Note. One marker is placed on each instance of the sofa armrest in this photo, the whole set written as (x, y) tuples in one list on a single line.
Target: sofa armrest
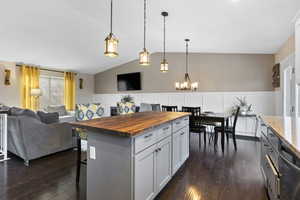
[(66, 118)]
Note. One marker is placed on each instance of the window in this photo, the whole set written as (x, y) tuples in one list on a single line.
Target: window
[(53, 91)]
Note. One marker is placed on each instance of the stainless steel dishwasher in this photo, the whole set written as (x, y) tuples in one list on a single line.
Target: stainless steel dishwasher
[(289, 167)]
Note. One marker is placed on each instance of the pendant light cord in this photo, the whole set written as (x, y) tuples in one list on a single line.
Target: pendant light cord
[(186, 57), (111, 15), (164, 38), (144, 24)]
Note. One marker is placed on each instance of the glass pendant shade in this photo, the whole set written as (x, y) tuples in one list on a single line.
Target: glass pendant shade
[(144, 58), (111, 46), (164, 66)]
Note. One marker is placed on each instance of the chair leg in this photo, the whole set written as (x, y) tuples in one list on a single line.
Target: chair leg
[(204, 137), (216, 139), (199, 140), (234, 141), (78, 160), (227, 138)]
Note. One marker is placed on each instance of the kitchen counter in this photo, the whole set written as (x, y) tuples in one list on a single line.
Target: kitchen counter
[(284, 129), (132, 124)]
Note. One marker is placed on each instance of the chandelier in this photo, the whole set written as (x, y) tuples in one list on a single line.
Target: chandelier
[(186, 84)]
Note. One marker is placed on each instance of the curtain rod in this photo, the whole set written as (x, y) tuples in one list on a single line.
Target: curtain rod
[(49, 70)]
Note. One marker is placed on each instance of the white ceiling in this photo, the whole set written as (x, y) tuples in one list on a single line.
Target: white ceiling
[(69, 34)]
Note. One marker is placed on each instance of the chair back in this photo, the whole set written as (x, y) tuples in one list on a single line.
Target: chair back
[(236, 115), (169, 108), (196, 111)]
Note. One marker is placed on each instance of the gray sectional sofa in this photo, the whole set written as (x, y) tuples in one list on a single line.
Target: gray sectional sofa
[(31, 137)]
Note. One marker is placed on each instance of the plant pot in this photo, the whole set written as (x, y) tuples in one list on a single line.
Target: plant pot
[(244, 110)]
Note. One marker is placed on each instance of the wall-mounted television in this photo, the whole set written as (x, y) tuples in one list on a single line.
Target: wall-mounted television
[(131, 81)]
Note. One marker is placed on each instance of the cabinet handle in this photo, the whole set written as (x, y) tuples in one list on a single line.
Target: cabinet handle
[(182, 133), (147, 136), (165, 128), (177, 122), (186, 119), (157, 150)]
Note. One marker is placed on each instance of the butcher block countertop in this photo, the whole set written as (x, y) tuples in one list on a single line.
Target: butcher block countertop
[(283, 128), (131, 124)]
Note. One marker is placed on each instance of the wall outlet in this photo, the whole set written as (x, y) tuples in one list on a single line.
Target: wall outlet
[(92, 153)]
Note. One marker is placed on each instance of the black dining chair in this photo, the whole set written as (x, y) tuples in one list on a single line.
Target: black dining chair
[(230, 130), (195, 122), (169, 108)]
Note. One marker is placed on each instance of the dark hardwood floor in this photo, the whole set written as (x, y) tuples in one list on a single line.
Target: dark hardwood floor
[(207, 175)]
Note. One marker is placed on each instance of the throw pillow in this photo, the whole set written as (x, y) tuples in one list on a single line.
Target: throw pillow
[(48, 118), (89, 111), (126, 108)]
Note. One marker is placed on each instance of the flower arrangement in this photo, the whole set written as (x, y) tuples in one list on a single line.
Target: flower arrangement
[(243, 104)]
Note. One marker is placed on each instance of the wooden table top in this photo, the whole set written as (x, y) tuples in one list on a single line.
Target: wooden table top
[(131, 124)]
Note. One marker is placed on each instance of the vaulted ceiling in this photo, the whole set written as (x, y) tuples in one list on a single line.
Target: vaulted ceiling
[(69, 34)]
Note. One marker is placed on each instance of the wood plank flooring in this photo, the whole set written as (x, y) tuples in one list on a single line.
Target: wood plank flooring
[(207, 175)]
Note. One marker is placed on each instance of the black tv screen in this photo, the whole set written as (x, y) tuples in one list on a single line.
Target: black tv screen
[(130, 81)]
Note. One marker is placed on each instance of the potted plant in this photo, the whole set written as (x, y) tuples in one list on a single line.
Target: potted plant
[(244, 106), (127, 99)]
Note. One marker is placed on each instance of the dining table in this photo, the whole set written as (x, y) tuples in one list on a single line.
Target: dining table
[(213, 118)]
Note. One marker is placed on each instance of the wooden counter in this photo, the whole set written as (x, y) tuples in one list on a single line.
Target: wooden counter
[(132, 124), (284, 130)]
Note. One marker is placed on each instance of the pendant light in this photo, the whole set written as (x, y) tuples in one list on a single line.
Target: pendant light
[(164, 66), (187, 84), (111, 42), (144, 55)]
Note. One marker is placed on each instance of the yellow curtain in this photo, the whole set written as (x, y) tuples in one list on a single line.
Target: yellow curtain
[(30, 79), (70, 90)]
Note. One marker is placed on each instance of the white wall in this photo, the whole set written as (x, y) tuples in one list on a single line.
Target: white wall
[(10, 94), (263, 102)]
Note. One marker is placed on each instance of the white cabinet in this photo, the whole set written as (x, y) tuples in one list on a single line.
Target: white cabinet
[(145, 170), (153, 169), (163, 163), (185, 144), (176, 143), (158, 154), (180, 148)]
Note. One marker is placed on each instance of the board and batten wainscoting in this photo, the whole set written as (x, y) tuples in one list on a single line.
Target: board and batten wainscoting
[(263, 102)]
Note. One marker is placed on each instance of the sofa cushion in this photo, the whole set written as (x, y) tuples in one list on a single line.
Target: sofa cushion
[(14, 111), (89, 111), (145, 107), (126, 108), (48, 118), (60, 109)]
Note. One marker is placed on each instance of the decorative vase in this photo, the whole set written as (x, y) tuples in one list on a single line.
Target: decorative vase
[(243, 110)]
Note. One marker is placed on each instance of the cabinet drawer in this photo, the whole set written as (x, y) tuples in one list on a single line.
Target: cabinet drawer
[(164, 132), (144, 141), (180, 123)]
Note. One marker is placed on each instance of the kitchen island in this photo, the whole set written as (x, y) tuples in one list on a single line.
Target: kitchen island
[(132, 157)]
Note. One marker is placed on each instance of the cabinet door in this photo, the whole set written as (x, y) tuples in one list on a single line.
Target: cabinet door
[(176, 146), (163, 163), (145, 172), (185, 151)]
